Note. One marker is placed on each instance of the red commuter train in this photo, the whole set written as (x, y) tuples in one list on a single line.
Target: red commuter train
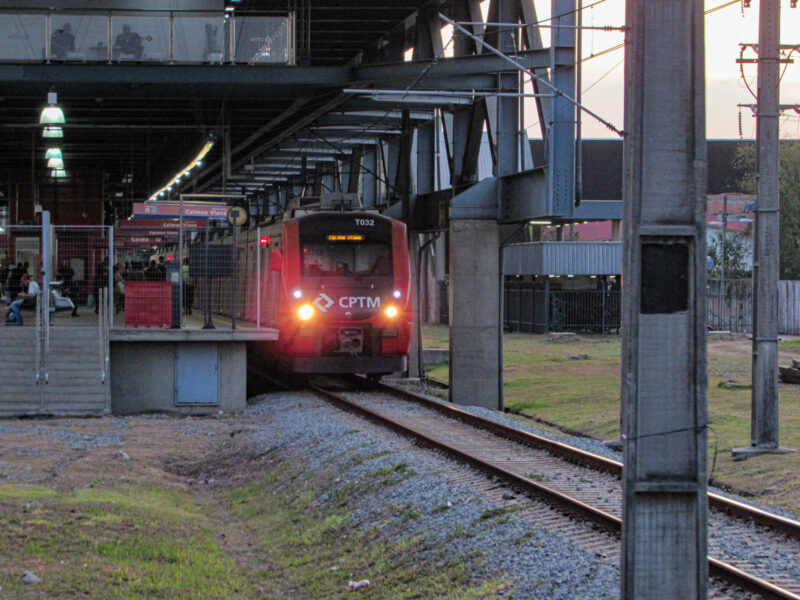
[(338, 290)]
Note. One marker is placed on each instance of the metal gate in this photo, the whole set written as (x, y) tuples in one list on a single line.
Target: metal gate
[(57, 358), (731, 308)]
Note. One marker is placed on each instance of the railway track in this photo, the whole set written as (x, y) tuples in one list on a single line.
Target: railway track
[(748, 548)]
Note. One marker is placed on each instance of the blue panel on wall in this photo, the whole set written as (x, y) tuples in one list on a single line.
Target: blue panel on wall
[(196, 374)]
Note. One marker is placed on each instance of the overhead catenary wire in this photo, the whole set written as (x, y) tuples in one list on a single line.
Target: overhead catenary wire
[(379, 121), (531, 74)]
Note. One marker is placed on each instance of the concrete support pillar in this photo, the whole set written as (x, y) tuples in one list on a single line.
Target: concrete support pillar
[(615, 230), (474, 313), (664, 411), (414, 363)]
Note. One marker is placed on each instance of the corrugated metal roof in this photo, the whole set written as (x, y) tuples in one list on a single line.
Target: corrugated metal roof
[(563, 258)]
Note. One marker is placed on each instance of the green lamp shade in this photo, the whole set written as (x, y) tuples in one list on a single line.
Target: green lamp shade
[(55, 163), (53, 153), (52, 132), (58, 173), (52, 115)]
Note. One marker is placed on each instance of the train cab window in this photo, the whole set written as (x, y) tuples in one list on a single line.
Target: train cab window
[(345, 259)]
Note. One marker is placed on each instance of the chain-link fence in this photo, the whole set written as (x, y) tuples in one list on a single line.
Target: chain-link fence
[(78, 268), (532, 308), (197, 277)]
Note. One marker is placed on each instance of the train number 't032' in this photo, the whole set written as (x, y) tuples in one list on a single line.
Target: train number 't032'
[(365, 222)]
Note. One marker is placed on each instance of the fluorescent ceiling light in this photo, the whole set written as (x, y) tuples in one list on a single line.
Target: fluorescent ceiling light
[(197, 160), (52, 115), (52, 131)]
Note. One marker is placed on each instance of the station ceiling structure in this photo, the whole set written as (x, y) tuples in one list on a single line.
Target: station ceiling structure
[(282, 128)]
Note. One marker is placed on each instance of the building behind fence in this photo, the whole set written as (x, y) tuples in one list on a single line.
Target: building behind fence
[(731, 309), (534, 308)]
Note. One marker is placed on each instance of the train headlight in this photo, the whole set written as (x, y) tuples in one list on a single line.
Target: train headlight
[(305, 312), (397, 294), (391, 312), (297, 294)]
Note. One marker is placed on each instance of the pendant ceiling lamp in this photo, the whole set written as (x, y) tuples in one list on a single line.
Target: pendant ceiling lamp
[(53, 152), (52, 113)]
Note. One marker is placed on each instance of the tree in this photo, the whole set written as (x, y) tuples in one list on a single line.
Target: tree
[(789, 173), (736, 251)]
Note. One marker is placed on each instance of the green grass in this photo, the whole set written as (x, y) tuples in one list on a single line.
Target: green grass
[(103, 543), (311, 552), (584, 395)]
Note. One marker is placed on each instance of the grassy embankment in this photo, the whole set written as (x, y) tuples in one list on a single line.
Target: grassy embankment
[(583, 395), (200, 517)]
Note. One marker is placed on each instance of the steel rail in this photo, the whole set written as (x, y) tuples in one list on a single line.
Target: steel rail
[(577, 456), (532, 488), (528, 486)]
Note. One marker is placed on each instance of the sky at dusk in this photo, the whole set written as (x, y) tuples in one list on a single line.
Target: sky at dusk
[(725, 88)]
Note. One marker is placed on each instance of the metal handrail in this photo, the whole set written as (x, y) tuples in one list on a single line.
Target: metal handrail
[(227, 18), (39, 352), (102, 332)]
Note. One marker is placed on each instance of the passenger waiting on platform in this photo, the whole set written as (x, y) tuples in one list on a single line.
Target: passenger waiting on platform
[(128, 42), (12, 283), (188, 288), (62, 41), (212, 51), (69, 287), (100, 281), (153, 273), (4, 277), (119, 289), (28, 299)]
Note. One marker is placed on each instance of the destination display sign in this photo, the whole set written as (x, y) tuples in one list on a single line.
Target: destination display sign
[(196, 210), (161, 224), (340, 237)]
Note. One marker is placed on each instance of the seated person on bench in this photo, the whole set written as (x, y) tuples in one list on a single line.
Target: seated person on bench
[(25, 298)]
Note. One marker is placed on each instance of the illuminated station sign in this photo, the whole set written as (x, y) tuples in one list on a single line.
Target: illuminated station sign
[(191, 210)]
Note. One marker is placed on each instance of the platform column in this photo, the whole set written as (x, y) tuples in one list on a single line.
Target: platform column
[(664, 275), (474, 308)]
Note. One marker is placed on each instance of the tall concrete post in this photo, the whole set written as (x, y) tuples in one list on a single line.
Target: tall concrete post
[(664, 350), (474, 308), (764, 393), (475, 336)]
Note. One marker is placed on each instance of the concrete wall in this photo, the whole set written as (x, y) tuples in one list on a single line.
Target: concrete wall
[(143, 378)]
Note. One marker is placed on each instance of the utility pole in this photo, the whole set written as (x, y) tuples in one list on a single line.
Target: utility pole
[(764, 393), (664, 413)]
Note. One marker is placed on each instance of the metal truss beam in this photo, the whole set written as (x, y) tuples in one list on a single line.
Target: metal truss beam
[(446, 68), (142, 80)]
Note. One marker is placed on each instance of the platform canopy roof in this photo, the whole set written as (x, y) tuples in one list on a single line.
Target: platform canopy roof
[(132, 124)]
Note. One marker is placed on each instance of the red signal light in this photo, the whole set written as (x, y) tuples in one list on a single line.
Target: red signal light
[(264, 240), (169, 259)]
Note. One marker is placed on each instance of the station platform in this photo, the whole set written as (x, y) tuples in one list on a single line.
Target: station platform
[(83, 370), (190, 370), (193, 330)]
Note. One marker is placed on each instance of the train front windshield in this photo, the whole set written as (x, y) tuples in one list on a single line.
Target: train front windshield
[(348, 247), (346, 258)]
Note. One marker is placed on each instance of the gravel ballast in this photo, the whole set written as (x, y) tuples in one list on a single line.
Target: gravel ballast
[(429, 499)]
